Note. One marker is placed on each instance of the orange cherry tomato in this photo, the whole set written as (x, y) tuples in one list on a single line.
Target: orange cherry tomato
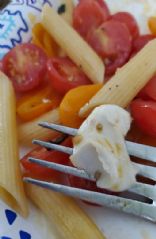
[(42, 38), (35, 104), (73, 101), (152, 25)]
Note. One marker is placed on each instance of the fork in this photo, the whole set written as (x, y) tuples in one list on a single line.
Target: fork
[(135, 206)]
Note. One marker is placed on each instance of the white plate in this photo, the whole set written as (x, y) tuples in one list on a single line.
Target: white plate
[(113, 224)]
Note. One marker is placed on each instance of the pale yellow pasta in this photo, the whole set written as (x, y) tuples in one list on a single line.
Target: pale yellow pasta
[(68, 14), (11, 186), (73, 45), (31, 130), (127, 81), (70, 220)]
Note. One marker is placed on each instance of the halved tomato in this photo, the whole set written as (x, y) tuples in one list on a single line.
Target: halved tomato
[(25, 65), (144, 115), (140, 42), (89, 14), (129, 21), (112, 41), (149, 91), (65, 75), (37, 103), (40, 172)]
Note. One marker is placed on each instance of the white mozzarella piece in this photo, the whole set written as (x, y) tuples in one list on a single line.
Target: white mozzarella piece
[(99, 148)]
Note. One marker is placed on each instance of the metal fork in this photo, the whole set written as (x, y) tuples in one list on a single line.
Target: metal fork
[(145, 209)]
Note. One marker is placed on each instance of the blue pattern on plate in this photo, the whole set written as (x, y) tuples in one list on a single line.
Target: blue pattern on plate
[(8, 26), (36, 4), (24, 235), (11, 216), (6, 237)]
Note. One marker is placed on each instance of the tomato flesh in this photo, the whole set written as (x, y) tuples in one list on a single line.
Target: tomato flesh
[(144, 115), (25, 65), (149, 91), (40, 172), (112, 41), (129, 21), (89, 14), (65, 75), (140, 42)]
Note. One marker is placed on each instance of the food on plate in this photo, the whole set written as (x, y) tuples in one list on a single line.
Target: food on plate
[(73, 101), (25, 65), (64, 74), (36, 103), (73, 45), (99, 148), (112, 41), (66, 10), (69, 50), (144, 115), (127, 81), (69, 218), (97, 11), (31, 130), (11, 185), (42, 39), (152, 25)]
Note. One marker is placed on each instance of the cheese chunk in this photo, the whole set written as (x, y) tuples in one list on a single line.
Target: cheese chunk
[(99, 148)]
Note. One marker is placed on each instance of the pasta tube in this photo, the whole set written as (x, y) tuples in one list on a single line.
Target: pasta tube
[(73, 45), (11, 186), (127, 81), (68, 217), (68, 14), (31, 130)]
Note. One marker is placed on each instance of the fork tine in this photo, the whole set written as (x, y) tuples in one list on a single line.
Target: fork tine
[(60, 128), (144, 190), (134, 149), (126, 205), (139, 188), (57, 147), (146, 171), (141, 151), (63, 168)]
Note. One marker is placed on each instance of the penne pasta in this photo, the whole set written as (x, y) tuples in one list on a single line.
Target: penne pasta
[(11, 186), (73, 45), (68, 14), (31, 130), (127, 81), (69, 219)]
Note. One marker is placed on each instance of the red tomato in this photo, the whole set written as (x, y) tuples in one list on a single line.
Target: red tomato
[(112, 41), (1, 66), (89, 14), (37, 171), (25, 65), (130, 22), (149, 90), (144, 115), (140, 42), (65, 75)]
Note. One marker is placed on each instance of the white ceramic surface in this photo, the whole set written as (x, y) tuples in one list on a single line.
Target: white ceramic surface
[(114, 225)]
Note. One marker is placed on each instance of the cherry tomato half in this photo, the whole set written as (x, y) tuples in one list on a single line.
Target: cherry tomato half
[(149, 91), (89, 14), (37, 171), (37, 103), (130, 22), (65, 75), (1, 66), (144, 115), (112, 42), (25, 65), (140, 42)]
